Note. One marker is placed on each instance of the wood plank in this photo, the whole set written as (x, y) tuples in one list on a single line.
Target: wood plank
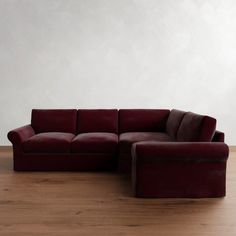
[(86, 203), (232, 148), (5, 148)]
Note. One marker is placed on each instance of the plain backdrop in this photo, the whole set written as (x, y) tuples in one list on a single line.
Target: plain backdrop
[(118, 54)]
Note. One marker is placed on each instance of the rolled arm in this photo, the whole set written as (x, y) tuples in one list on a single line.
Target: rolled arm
[(19, 135), (151, 152)]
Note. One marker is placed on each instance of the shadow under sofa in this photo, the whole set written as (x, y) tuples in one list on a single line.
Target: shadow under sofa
[(106, 139)]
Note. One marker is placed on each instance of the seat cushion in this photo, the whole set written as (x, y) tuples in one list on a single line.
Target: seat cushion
[(97, 120), (95, 143), (142, 120), (127, 139), (54, 120), (196, 128), (52, 142)]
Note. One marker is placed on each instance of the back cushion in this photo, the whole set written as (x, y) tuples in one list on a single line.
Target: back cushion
[(196, 128), (101, 120), (173, 122), (59, 120), (142, 120)]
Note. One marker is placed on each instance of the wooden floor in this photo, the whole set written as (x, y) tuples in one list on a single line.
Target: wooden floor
[(57, 203)]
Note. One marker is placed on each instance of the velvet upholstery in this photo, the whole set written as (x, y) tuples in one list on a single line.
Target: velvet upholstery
[(100, 120), (18, 136), (125, 143), (179, 169), (183, 155), (127, 139), (173, 122), (196, 128), (52, 142), (142, 120), (184, 151), (95, 143), (55, 120), (125, 163), (207, 129), (218, 137), (64, 162)]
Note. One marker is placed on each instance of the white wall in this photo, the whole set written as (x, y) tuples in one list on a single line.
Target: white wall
[(118, 54)]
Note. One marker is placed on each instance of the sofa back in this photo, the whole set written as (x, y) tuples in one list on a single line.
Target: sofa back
[(97, 120), (181, 126), (55, 120), (142, 120), (196, 128), (174, 120)]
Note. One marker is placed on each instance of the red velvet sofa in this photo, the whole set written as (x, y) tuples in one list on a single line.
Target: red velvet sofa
[(161, 148)]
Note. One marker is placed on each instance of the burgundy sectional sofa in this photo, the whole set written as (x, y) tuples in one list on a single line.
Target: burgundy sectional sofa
[(169, 153)]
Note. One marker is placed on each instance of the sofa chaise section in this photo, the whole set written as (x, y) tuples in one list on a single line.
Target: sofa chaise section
[(192, 165), (179, 169)]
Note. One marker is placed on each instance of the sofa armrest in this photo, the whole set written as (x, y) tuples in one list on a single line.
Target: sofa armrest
[(179, 169), (151, 152), (218, 136), (19, 135)]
